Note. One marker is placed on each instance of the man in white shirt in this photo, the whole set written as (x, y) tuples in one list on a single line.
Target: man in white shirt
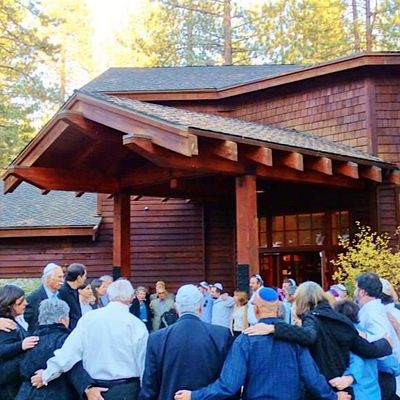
[(255, 284), (374, 320), (110, 341), (222, 306)]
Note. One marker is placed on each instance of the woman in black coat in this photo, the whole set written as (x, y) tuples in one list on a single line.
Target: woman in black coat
[(140, 307), (12, 344), (329, 335), (52, 332)]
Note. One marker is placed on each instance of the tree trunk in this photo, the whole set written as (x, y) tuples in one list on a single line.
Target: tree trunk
[(189, 47), (63, 72), (368, 25), (227, 33), (356, 33)]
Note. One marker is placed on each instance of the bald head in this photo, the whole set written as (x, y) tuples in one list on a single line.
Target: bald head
[(266, 303)]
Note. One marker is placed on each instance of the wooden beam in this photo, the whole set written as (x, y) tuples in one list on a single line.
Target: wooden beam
[(65, 179), (173, 139), (319, 164), (246, 223), (394, 177), (121, 234), (53, 130), (89, 128), (311, 177), (258, 155), (348, 169), (219, 148), (10, 183), (371, 172), (291, 160), (168, 159), (48, 231)]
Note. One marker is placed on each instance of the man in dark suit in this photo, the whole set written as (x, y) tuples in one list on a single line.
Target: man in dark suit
[(188, 354), (76, 276), (52, 279)]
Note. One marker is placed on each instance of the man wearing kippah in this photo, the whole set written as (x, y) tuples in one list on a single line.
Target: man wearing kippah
[(253, 363), (206, 313)]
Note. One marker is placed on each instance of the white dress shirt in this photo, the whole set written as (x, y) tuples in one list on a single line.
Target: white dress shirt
[(251, 315), (110, 341), (373, 318)]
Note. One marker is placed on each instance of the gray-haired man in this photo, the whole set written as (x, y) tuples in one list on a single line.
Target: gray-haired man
[(187, 354), (52, 280), (111, 344)]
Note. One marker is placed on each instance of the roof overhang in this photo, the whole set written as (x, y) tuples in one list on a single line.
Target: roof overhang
[(49, 231), (354, 62), (92, 145)]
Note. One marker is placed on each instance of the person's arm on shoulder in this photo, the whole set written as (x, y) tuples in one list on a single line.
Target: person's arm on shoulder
[(151, 380), (312, 378), (64, 358), (7, 325), (11, 345), (305, 335), (365, 349)]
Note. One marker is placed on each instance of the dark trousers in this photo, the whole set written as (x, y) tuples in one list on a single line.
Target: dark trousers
[(387, 383), (123, 391)]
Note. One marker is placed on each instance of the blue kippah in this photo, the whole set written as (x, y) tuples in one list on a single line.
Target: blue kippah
[(268, 294)]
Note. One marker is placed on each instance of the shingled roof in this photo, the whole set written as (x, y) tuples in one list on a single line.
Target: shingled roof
[(28, 208), (183, 78), (235, 127)]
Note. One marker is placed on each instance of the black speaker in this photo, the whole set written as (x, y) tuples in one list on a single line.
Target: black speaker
[(116, 273), (242, 277)]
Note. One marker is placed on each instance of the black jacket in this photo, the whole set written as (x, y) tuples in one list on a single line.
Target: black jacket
[(187, 355), (71, 297), (135, 310), (11, 354), (331, 336), (69, 386), (31, 314)]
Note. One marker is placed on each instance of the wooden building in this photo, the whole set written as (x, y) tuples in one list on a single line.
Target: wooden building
[(202, 169)]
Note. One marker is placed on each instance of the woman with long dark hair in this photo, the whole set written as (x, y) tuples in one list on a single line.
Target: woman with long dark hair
[(329, 335), (99, 288), (12, 344)]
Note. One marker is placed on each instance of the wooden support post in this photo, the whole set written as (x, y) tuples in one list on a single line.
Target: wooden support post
[(121, 232), (246, 223)]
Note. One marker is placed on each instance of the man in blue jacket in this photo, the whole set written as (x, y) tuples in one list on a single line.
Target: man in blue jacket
[(266, 368), (188, 354)]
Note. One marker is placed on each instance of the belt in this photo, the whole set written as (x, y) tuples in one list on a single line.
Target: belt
[(114, 382)]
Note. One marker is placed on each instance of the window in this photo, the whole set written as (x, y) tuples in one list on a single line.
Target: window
[(262, 231), (298, 230), (340, 226)]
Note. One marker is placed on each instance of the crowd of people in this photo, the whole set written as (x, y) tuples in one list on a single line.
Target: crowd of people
[(103, 340)]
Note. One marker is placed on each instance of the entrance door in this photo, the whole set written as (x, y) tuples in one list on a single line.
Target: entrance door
[(301, 266)]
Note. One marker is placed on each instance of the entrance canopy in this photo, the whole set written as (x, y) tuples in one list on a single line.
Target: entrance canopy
[(107, 144)]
